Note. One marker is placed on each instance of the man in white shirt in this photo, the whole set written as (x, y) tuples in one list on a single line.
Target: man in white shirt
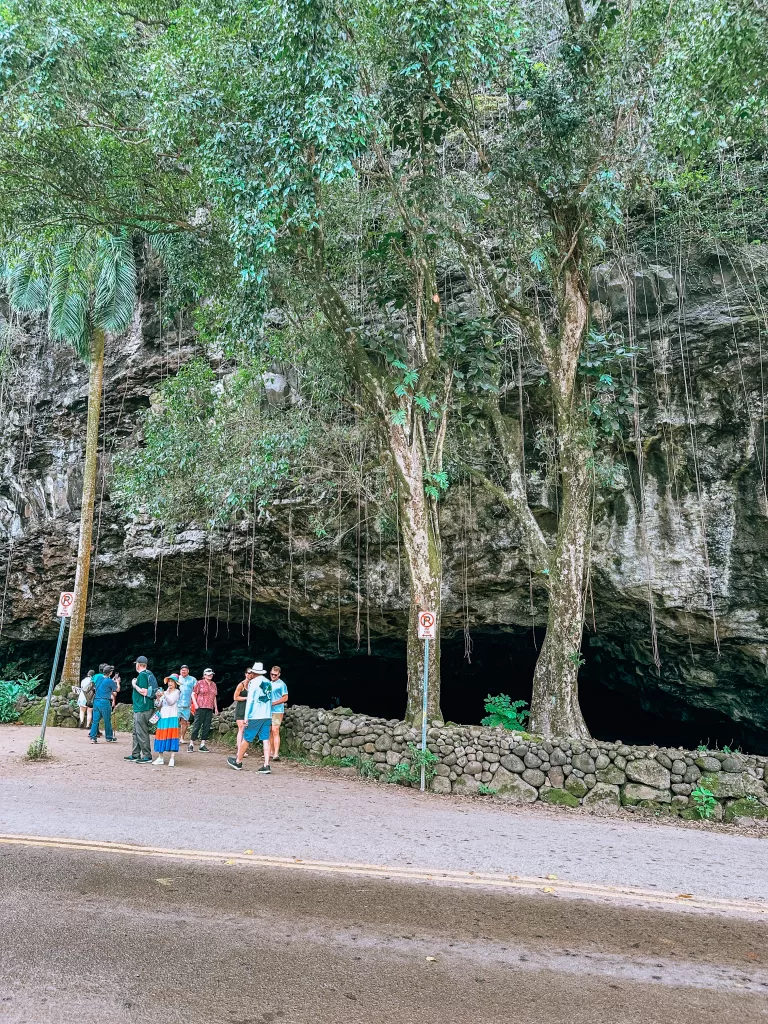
[(258, 719)]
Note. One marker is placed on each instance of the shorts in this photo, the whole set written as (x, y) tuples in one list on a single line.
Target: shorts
[(240, 710), (277, 717), (185, 713), (257, 729)]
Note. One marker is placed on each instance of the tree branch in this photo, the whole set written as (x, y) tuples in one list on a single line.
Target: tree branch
[(509, 436)]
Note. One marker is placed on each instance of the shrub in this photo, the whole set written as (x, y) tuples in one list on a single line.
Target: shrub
[(704, 801), (411, 773), (11, 690), (505, 712), (38, 750), (367, 768)]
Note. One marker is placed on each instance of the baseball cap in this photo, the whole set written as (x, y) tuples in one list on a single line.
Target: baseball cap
[(141, 660)]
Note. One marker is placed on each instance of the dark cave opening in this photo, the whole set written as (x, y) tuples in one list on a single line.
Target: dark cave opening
[(499, 662)]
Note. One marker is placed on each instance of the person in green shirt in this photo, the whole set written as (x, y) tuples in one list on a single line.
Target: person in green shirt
[(144, 690)]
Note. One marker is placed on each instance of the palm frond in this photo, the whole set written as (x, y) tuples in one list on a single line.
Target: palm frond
[(27, 289), (71, 323), (115, 296)]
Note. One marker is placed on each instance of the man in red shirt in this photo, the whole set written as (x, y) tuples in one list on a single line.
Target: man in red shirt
[(204, 701)]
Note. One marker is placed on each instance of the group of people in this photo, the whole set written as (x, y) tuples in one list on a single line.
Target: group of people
[(186, 705)]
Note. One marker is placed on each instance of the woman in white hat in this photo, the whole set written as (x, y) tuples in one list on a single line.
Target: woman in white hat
[(240, 698)]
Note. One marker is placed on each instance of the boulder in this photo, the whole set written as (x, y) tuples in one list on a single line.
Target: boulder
[(635, 793), (754, 787), (534, 777), (611, 776), (122, 718), (33, 715), (440, 784), (603, 796), (583, 762), (708, 764), (649, 773), (745, 808), (723, 785), (576, 787), (559, 797), (513, 763), (466, 784), (512, 788)]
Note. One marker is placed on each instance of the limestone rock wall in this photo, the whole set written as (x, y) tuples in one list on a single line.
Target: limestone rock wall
[(684, 529)]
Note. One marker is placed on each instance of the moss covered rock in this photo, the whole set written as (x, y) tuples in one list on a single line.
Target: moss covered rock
[(560, 797), (723, 785), (122, 718), (745, 808), (33, 715), (576, 787)]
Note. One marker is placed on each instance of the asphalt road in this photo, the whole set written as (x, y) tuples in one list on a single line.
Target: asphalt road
[(87, 937)]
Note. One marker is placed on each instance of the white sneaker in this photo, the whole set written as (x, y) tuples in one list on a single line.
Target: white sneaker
[(158, 760), (171, 763), (191, 748)]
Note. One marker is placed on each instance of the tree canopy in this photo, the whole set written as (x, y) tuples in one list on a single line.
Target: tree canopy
[(400, 203)]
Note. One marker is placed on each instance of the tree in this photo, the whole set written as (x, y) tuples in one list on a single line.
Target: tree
[(549, 141), (87, 282), (323, 130)]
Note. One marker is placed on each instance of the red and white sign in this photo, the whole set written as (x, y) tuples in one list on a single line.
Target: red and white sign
[(427, 624), (66, 604)]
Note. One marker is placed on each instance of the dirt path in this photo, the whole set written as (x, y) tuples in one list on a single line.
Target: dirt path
[(90, 792)]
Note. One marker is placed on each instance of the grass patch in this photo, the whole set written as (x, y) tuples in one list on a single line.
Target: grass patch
[(38, 751)]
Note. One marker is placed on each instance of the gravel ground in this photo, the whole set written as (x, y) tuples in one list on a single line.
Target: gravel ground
[(90, 792)]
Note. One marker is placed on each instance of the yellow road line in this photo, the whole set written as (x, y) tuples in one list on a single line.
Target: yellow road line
[(548, 885)]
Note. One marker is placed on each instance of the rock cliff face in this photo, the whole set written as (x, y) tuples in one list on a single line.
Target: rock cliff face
[(681, 522)]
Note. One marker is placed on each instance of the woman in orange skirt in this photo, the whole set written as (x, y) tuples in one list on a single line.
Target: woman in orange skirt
[(167, 733)]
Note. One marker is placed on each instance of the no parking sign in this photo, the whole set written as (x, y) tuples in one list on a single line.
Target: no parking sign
[(427, 622), (66, 604)]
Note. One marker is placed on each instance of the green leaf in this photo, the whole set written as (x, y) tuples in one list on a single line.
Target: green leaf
[(115, 296)]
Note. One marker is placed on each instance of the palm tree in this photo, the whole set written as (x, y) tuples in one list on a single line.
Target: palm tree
[(87, 282)]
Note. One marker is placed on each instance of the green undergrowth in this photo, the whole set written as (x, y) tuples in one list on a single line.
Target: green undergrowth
[(10, 692)]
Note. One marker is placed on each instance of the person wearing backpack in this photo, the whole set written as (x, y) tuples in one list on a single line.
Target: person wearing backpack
[(144, 693), (104, 690), (85, 700)]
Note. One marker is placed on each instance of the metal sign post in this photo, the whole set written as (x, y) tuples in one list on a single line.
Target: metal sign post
[(66, 602), (427, 622)]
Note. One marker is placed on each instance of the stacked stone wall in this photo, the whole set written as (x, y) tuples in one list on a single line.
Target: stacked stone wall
[(509, 766), (523, 769)]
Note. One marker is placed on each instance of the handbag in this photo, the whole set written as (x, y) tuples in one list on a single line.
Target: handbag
[(155, 718)]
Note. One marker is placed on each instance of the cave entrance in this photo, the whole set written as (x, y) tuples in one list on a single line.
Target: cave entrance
[(375, 684)]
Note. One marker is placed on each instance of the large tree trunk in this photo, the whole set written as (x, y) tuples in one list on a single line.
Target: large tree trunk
[(555, 707), (421, 539), (71, 673)]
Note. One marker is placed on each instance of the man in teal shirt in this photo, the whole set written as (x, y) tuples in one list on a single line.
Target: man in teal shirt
[(144, 690)]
